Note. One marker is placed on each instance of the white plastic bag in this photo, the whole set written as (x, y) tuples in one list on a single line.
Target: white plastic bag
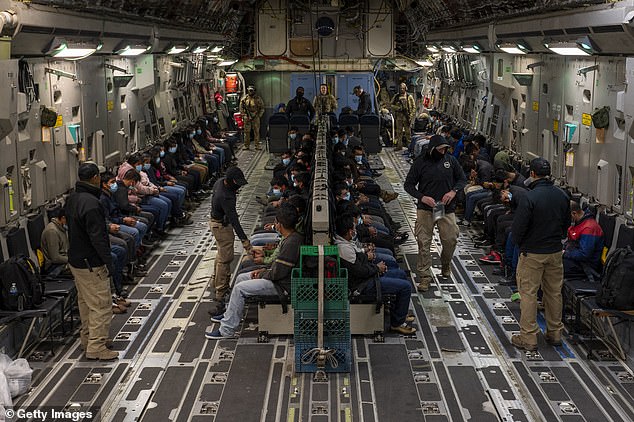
[(5, 394), (18, 375)]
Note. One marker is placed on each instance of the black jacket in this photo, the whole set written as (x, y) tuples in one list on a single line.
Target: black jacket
[(365, 104), (121, 198), (360, 270), (300, 106), (485, 171), (541, 219), (428, 177), (223, 207), (89, 244)]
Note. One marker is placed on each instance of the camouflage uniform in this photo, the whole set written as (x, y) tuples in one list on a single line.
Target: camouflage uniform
[(404, 110), (252, 109), (325, 104)]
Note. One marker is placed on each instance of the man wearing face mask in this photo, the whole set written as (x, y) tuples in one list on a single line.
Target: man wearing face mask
[(541, 221), (252, 109), (435, 178), (224, 220), (300, 105), (404, 110), (91, 262), (324, 103)]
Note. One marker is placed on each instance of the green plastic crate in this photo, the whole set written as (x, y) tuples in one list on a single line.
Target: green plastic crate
[(313, 251), (336, 325), (304, 292)]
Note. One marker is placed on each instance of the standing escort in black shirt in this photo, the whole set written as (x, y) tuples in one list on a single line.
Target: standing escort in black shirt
[(541, 222), (223, 221), (90, 262), (435, 178), (300, 105), (365, 103)]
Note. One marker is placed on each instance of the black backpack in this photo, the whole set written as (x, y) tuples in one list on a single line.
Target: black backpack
[(617, 286), (29, 287)]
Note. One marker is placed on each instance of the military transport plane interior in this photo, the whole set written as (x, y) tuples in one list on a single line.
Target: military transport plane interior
[(316, 210)]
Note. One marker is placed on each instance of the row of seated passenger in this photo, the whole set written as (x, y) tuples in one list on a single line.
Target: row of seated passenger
[(356, 200), (366, 126)]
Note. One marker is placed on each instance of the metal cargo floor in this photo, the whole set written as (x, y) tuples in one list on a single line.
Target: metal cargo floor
[(460, 365)]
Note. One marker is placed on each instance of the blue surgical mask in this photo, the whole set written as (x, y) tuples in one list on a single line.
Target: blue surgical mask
[(347, 197), (359, 158), (138, 167), (173, 149), (191, 135), (215, 120), (359, 220), (292, 136), (286, 161), (146, 166), (157, 160), (65, 226), (199, 132), (292, 177), (355, 237), (345, 142), (162, 154), (349, 183), (510, 196), (335, 140), (343, 153), (277, 192), (114, 187)]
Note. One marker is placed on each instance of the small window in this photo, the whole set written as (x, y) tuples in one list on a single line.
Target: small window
[(500, 68), (545, 89), (569, 112), (587, 96)]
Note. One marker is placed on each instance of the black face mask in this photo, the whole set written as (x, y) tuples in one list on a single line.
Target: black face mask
[(300, 94), (232, 185), (437, 155)]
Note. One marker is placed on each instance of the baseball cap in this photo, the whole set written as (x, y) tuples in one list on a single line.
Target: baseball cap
[(235, 174), (540, 166), (437, 141), (87, 171)]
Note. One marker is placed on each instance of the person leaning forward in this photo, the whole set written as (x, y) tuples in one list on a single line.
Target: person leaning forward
[(90, 262), (541, 222), (434, 178), (224, 220)]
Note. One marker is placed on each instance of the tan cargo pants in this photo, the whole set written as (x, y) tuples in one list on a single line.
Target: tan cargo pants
[(224, 241), (402, 127), (248, 125), (535, 270), (95, 306), (424, 232)]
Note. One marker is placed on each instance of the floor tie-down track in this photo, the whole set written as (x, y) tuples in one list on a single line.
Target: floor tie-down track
[(460, 365)]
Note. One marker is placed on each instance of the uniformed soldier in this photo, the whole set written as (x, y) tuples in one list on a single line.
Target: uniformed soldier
[(252, 109), (404, 110), (223, 221), (324, 102)]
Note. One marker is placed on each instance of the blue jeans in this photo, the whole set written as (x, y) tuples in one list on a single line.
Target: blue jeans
[(511, 254), (472, 199), (221, 154), (383, 251), (119, 255), (264, 238), (392, 286), (389, 260), (179, 191), (243, 288), (132, 231), (396, 273), (162, 207)]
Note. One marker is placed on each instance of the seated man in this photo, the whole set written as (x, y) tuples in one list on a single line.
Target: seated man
[(362, 275), (55, 245), (263, 282), (584, 244)]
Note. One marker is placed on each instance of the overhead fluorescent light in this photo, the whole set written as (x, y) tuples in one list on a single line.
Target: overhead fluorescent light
[(581, 47), (433, 49), (200, 49), (448, 48), (513, 47), (131, 49), (70, 49), (217, 49), (177, 49), (472, 48), (227, 62), (424, 63)]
